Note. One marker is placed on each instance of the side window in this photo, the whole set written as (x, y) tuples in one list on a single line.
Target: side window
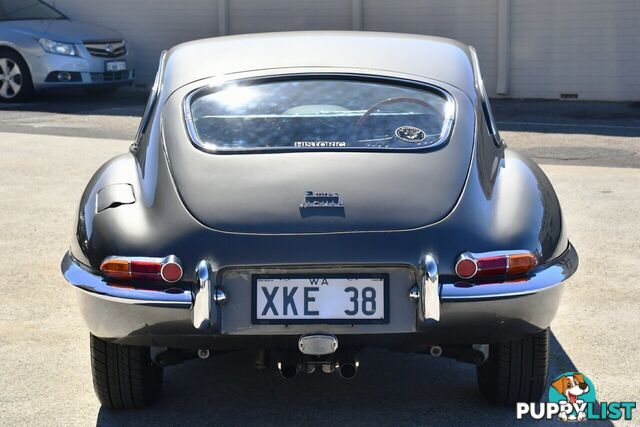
[(486, 106), (151, 103)]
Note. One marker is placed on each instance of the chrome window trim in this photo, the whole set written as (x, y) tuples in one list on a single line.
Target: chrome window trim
[(486, 106), (151, 103), (217, 81)]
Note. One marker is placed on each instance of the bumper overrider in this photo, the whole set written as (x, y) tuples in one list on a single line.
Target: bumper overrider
[(423, 308)]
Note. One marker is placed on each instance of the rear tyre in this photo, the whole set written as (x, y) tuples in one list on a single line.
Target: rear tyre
[(15, 79), (516, 371), (124, 377)]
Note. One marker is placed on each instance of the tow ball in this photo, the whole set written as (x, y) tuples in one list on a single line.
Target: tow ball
[(318, 345)]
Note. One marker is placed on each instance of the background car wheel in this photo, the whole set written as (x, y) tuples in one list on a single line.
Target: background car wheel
[(15, 78), (516, 371), (124, 377)]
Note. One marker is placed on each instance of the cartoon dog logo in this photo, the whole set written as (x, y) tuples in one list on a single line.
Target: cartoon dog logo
[(572, 386)]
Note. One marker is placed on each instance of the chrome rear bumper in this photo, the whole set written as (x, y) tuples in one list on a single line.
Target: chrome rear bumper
[(460, 313)]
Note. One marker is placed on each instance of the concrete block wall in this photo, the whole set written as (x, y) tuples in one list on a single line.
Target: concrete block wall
[(590, 48), (255, 16), (473, 22), (586, 47)]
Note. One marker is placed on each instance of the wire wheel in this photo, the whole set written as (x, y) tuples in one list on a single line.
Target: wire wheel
[(10, 78)]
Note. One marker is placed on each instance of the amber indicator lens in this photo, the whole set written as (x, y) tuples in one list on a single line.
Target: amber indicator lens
[(116, 268), (521, 263)]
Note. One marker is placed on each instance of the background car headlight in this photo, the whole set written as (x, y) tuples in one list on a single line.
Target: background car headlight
[(58, 47)]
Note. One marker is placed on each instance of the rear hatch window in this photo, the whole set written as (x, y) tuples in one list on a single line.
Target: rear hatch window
[(318, 113)]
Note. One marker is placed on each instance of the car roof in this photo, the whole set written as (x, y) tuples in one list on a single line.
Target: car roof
[(422, 57)]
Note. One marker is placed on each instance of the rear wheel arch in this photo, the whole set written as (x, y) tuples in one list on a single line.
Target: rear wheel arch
[(9, 48), (509, 203)]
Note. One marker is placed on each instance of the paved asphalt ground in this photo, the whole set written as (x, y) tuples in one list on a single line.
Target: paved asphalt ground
[(51, 148)]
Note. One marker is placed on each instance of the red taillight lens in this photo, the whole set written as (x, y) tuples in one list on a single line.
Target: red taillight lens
[(466, 268), (492, 266), (168, 269), (171, 271), (483, 265), (145, 269)]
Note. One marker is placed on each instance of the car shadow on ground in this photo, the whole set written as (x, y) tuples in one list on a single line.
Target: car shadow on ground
[(391, 389), (123, 102), (519, 115), (568, 117)]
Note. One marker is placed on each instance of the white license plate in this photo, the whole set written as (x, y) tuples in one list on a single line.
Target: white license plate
[(288, 299), (115, 66)]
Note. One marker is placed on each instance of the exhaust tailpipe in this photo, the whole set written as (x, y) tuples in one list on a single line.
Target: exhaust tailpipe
[(348, 368), (435, 351), (289, 369)]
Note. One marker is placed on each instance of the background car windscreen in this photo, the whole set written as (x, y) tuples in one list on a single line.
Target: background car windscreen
[(13, 10), (319, 113)]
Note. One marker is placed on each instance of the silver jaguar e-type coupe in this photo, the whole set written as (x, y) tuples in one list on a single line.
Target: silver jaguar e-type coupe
[(307, 195)]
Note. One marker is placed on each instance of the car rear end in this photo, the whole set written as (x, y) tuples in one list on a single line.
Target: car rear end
[(393, 252), (312, 214)]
